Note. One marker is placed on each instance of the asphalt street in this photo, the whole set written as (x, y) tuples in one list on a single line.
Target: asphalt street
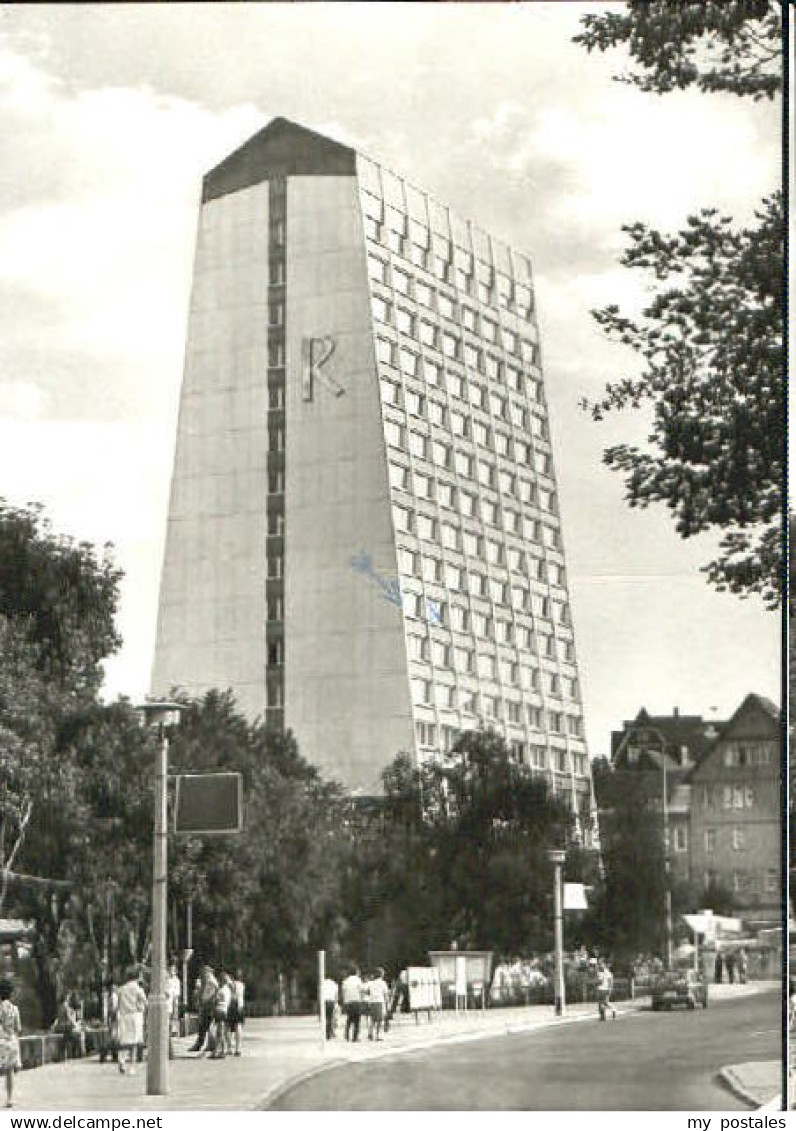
[(643, 1061)]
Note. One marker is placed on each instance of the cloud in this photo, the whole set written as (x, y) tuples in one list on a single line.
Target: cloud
[(101, 245), (21, 400)]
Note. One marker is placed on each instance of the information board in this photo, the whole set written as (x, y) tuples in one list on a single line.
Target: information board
[(208, 804), (424, 990)]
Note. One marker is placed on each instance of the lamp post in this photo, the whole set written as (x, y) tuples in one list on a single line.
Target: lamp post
[(160, 715), (667, 880), (557, 857)]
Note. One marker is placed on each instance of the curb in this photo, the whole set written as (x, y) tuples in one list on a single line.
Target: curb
[(730, 1079), (282, 1089)]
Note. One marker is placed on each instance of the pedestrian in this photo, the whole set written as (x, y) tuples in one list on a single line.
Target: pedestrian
[(364, 1005), (132, 1007), (329, 993), (113, 1018), (10, 1030), (399, 1001), (236, 1012), (174, 992), (730, 968), (221, 1006), (605, 986), (70, 1024), (205, 995), (352, 1004), (719, 968), (378, 993), (742, 966)]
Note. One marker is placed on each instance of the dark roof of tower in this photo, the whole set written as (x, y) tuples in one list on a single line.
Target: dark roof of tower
[(280, 149)]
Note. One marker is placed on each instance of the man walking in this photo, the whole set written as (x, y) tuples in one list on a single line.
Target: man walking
[(605, 986), (352, 1004)]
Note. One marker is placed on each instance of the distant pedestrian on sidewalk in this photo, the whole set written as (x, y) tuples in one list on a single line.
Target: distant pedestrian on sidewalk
[(174, 991), (70, 1024), (205, 996), (731, 968), (220, 1016), (10, 1030), (742, 966), (132, 1006), (378, 994), (352, 1004), (605, 988), (719, 968), (236, 1014), (330, 995)]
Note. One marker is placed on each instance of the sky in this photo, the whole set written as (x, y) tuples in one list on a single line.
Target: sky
[(111, 114)]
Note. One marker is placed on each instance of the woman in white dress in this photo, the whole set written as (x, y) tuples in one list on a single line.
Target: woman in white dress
[(132, 1005), (10, 1029)]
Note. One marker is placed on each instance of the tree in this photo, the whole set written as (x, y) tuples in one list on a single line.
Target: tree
[(458, 851), (57, 607), (269, 895), (711, 339), (629, 918), (714, 45), (64, 596)]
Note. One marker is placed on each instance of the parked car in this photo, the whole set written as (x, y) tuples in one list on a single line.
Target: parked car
[(679, 987)]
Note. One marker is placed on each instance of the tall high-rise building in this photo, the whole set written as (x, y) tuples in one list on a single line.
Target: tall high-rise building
[(364, 539)]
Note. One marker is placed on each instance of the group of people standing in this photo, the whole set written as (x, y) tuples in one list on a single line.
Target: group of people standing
[(733, 963), (358, 998), (220, 1003)]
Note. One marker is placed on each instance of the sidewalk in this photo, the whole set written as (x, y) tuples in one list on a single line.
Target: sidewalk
[(279, 1051)]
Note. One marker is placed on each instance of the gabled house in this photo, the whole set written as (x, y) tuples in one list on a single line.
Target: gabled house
[(736, 811)]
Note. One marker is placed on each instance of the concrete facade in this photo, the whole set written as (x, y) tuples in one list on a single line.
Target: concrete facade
[(364, 540), (211, 585)]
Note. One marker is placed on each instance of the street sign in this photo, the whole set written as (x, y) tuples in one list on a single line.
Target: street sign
[(575, 897), (208, 804)]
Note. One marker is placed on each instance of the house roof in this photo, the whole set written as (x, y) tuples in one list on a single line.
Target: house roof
[(674, 730)]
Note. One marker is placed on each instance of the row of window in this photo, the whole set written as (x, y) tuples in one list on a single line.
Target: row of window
[(519, 451), (461, 658), (275, 516), (450, 264), (738, 839), (729, 796), (448, 340), (749, 753), (427, 693), (751, 882), (450, 306), (457, 579), (435, 373), (523, 526), (503, 519), (430, 737), (460, 619), (452, 537)]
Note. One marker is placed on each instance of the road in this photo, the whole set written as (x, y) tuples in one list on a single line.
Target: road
[(643, 1061)]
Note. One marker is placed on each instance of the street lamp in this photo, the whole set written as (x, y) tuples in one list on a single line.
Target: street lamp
[(160, 715), (667, 894), (557, 857)]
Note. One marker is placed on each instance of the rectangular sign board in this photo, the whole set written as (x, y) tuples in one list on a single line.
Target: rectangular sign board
[(208, 804)]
